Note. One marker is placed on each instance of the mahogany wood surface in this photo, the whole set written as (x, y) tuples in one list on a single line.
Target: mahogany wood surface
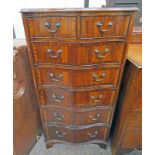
[(136, 35), (70, 98), (77, 78), (77, 58), (128, 119), (70, 117), (27, 124), (84, 53)]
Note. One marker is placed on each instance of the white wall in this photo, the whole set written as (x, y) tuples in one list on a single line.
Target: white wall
[(19, 4)]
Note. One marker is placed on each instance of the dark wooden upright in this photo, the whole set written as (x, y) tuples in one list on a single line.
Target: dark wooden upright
[(77, 57), (26, 120), (128, 125)]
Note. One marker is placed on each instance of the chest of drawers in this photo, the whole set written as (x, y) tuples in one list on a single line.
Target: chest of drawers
[(77, 57)]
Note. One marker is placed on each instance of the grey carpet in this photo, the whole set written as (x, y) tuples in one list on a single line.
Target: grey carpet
[(60, 149)]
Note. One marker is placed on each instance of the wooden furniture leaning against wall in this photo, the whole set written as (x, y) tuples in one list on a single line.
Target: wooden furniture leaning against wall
[(128, 125), (27, 124), (77, 58)]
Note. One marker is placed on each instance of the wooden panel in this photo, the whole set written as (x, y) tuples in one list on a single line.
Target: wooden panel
[(132, 140), (89, 28), (128, 117), (136, 35), (135, 122), (74, 117), (67, 27), (27, 124), (78, 53), (75, 135), (84, 98), (135, 54), (75, 78)]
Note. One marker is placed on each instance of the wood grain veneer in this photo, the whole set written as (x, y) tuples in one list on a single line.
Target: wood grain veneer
[(26, 120), (77, 58), (128, 119)]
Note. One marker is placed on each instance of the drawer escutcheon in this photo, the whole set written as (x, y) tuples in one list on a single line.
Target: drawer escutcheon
[(99, 26), (59, 117), (48, 27), (101, 54), (59, 52), (56, 78), (57, 98), (98, 79), (93, 135), (94, 118), (60, 134)]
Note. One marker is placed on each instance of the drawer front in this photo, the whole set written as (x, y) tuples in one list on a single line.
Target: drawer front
[(71, 117), (52, 27), (132, 140), (78, 53), (77, 99), (77, 78), (75, 135), (135, 122), (104, 26)]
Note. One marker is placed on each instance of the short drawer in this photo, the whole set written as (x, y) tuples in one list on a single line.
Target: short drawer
[(77, 99), (77, 78), (52, 27), (104, 26), (76, 117), (75, 135), (78, 53)]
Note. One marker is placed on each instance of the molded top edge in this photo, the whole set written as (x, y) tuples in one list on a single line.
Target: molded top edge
[(104, 9)]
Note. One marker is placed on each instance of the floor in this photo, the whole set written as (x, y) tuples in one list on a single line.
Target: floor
[(60, 149)]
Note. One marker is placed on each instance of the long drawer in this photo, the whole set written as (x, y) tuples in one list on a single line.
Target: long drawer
[(77, 99), (75, 135), (78, 53), (76, 117), (77, 78)]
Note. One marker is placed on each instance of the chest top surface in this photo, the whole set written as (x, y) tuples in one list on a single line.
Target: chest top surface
[(135, 54)]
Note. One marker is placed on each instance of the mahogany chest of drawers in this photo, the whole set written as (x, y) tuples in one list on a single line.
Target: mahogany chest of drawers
[(77, 57), (128, 125)]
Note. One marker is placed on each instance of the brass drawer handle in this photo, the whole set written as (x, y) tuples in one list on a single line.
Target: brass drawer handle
[(99, 26), (59, 117), (59, 52), (101, 54), (93, 135), (57, 98), (48, 27), (96, 99), (56, 78), (60, 134), (98, 79), (94, 118)]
